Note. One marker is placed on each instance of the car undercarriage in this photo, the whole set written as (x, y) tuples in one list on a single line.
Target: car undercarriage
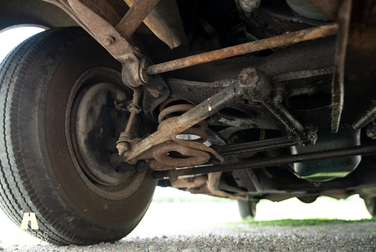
[(242, 99)]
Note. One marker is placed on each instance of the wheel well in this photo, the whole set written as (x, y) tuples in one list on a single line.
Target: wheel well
[(32, 12)]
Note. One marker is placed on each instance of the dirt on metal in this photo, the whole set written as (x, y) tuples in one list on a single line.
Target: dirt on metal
[(194, 151), (255, 46)]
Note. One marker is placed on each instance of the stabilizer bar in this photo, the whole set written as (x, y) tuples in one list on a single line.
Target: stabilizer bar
[(268, 162)]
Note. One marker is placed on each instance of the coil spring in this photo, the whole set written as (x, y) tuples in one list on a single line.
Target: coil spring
[(174, 107), (193, 150)]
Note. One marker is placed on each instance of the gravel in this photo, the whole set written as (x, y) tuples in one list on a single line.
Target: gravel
[(336, 237)]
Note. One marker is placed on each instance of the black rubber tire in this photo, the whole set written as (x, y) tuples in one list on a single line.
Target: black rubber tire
[(37, 174), (307, 199), (247, 208), (371, 205)]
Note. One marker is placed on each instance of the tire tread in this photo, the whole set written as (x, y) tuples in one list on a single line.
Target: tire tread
[(12, 195)]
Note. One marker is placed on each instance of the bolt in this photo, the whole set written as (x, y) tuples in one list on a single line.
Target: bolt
[(122, 147), (108, 40), (278, 93), (256, 85), (249, 5), (278, 99)]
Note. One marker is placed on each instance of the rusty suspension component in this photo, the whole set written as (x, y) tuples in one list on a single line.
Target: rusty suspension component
[(194, 152), (114, 39), (339, 64), (269, 162), (251, 85), (126, 137), (171, 106), (255, 46), (255, 146)]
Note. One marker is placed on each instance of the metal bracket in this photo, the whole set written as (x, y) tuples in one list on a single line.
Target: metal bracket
[(113, 42)]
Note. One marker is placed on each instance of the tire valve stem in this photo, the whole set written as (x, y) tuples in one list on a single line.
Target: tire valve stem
[(125, 138)]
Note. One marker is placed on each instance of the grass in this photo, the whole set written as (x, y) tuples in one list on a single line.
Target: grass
[(297, 222)]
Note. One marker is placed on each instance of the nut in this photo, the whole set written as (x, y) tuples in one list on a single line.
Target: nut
[(122, 147), (256, 84), (249, 5), (108, 40)]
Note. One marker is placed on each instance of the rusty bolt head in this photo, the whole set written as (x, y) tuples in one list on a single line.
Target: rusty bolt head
[(249, 5), (255, 84), (108, 40), (122, 147), (249, 75), (278, 99)]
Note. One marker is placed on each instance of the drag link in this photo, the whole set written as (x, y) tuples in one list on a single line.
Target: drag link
[(125, 138)]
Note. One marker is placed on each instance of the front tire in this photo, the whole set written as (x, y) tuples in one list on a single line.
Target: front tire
[(44, 168)]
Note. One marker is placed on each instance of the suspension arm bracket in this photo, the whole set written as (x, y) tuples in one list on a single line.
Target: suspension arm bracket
[(113, 42)]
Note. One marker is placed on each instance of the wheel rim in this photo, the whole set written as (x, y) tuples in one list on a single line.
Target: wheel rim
[(95, 116)]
